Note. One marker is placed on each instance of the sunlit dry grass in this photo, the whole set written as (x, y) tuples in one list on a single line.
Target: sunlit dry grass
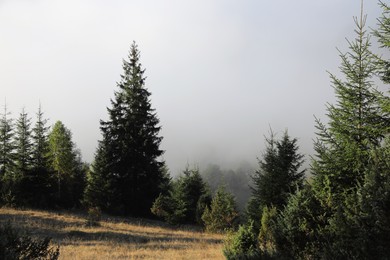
[(115, 238)]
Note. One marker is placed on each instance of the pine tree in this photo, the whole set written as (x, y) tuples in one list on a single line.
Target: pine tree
[(279, 176), (186, 200), (7, 159), (356, 125), (127, 160), (7, 145), (40, 142), (23, 145), (37, 185)]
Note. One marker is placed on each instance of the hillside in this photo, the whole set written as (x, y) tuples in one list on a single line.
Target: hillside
[(115, 238)]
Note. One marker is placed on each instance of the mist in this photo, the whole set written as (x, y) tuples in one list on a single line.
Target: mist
[(221, 73)]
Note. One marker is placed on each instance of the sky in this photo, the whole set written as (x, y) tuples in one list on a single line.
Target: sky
[(221, 72)]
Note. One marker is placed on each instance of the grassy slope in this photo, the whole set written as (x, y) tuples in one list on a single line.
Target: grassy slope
[(116, 238)]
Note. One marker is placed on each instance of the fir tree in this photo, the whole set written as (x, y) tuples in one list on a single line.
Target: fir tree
[(7, 159), (7, 145), (186, 200), (40, 142), (23, 145), (356, 125), (279, 176), (127, 160), (37, 184)]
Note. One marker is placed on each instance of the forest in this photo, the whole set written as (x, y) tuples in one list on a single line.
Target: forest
[(339, 208)]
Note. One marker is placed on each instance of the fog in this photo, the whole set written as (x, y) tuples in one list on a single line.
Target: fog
[(221, 72)]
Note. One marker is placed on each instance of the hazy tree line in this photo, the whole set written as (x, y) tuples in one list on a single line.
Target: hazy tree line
[(341, 212)]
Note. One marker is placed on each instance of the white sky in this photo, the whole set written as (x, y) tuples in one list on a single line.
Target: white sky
[(220, 71)]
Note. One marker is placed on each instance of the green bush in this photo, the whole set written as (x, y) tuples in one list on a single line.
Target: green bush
[(242, 244), (16, 246), (267, 231), (222, 214)]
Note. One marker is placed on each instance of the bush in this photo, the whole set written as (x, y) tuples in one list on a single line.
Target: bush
[(16, 246), (242, 244), (222, 214), (94, 216), (267, 231)]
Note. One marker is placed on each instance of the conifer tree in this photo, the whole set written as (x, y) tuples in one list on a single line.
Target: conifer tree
[(186, 200), (40, 141), (222, 213), (7, 158), (38, 185), (357, 123), (128, 162), (279, 176), (7, 145), (23, 145), (344, 168), (64, 164)]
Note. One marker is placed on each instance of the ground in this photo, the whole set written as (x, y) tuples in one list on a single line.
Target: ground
[(115, 238)]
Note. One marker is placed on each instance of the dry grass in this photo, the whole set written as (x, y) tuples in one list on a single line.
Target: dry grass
[(115, 238)]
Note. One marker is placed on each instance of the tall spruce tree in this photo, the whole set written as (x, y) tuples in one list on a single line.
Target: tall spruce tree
[(38, 185), (7, 146), (23, 157), (23, 145), (357, 123), (40, 142), (127, 168), (345, 165), (7, 158), (278, 176)]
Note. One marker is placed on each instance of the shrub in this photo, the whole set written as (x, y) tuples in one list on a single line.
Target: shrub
[(242, 244), (16, 246), (267, 231), (94, 216), (222, 214)]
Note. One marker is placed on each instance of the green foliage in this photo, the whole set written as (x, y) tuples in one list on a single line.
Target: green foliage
[(361, 224), (7, 149), (242, 244), (40, 148), (127, 172), (222, 213), (66, 166), (267, 231), (23, 145), (344, 213), (297, 231), (37, 183), (16, 246), (383, 36), (169, 209), (357, 123), (277, 178), (186, 201)]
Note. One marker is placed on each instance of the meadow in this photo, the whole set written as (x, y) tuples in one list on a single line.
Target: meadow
[(115, 238)]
